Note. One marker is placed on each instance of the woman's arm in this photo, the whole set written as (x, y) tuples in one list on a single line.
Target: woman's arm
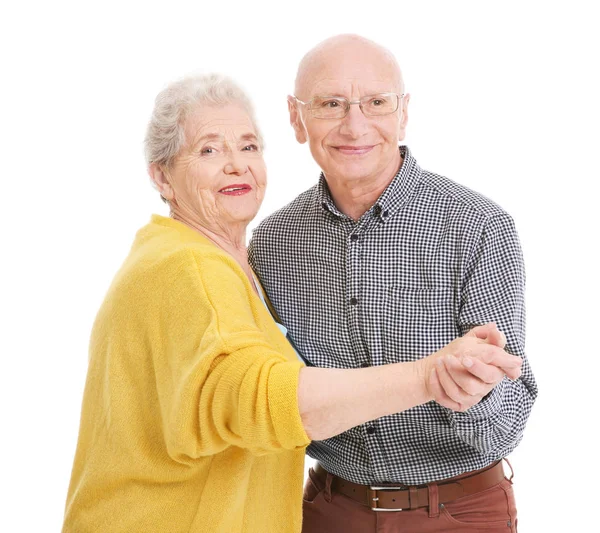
[(220, 382), (334, 400)]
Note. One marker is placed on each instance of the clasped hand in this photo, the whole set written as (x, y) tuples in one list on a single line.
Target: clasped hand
[(459, 375)]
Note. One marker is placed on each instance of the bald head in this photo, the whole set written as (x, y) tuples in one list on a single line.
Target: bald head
[(350, 57)]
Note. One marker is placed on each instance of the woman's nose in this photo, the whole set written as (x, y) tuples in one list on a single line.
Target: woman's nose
[(235, 165)]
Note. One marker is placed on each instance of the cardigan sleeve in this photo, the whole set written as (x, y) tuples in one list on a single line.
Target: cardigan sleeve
[(220, 382)]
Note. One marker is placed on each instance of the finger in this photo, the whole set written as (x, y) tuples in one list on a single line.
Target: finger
[(510, 364), (469, 382), (481, 332), (497, 338), (513, 373), (450, 387), (492, 355), (490, 333), (438, 393), (488, 374)]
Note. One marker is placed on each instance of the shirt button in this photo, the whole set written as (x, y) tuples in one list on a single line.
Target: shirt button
[(371, 430), (353, 301), (353, 237), (385, 214)]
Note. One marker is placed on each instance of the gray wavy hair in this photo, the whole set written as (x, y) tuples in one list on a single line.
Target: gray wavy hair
[(165, 136)]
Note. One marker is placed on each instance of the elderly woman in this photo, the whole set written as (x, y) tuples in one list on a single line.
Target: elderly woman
[(196, 409)]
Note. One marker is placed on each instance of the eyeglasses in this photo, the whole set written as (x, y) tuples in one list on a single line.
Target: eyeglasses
[(374, 105)]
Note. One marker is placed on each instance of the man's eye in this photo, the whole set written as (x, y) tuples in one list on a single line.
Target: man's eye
[(251, 148), (328, 104)]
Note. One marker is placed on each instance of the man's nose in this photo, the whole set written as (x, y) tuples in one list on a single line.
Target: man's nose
[(355, 123)]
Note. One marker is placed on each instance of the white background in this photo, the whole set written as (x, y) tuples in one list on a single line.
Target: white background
[(504, 99)]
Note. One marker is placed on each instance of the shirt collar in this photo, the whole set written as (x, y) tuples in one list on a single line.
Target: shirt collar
[(393, 197)]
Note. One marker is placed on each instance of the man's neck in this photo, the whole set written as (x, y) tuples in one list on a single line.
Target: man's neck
[(355, 198)]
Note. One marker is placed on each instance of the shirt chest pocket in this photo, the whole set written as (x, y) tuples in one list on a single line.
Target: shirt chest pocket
[(417, 322)]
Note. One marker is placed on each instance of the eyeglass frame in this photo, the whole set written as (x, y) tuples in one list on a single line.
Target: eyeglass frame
[(347, 109)]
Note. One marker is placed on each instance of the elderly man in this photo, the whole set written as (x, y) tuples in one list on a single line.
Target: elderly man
[(381, 262)]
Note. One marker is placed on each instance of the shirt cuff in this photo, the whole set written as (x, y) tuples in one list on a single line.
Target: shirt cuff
[(488, 406)]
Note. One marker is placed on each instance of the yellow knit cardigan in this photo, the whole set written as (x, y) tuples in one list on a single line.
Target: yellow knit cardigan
[(190, 419)]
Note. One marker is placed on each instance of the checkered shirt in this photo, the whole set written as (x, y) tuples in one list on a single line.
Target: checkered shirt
[(430, 260)]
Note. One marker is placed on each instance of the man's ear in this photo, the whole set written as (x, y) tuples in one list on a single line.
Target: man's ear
[(405, 102), (296, 120), (159, 176), (404, 120)]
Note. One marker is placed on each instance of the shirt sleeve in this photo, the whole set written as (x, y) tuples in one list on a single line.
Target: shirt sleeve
[(493, 291), (220, 381)]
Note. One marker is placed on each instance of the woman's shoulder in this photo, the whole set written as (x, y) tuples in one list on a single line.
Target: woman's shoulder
[(169, 247)]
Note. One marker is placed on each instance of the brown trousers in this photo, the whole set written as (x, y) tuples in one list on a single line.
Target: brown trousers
[(490, 511)]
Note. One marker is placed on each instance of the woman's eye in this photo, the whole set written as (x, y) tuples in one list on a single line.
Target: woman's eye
[(207, 150), (251, 148)]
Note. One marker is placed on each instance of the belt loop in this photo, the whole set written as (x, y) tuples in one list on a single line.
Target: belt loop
[(434, 500), (413, 497), (512, 472), (327, 492)]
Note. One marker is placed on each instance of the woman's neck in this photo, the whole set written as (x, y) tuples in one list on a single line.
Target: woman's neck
[(230, 238)]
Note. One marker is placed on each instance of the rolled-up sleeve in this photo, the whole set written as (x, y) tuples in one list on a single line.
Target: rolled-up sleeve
[(493, 291)]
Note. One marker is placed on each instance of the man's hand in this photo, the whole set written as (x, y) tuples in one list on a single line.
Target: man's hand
[(459, 375), (489, 333)]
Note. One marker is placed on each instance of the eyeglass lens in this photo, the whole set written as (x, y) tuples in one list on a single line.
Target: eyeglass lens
[(337, 106)]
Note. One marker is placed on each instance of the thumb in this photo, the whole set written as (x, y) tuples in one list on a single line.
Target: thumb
[(488, 332), (497, 338), (482, 332)]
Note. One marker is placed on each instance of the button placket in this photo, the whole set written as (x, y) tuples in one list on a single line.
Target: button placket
[(353, 294)]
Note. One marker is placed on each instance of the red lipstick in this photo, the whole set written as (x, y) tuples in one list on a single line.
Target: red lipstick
[(236, 189)]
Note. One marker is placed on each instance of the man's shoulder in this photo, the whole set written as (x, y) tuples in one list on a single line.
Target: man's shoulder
[(461, 196), (295, 212)]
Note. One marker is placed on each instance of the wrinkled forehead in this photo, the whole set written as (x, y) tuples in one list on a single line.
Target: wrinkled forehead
[(350, 87), (230, 121)]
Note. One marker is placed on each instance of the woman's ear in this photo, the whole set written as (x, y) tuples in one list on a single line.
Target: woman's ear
[(296, 120), (160, 178)]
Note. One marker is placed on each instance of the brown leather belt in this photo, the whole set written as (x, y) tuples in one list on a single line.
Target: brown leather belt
[(403, 497)]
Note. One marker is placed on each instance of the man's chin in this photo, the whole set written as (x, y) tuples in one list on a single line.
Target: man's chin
[(356, 170)]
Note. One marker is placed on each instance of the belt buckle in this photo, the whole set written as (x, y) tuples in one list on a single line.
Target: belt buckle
[(375, 499)]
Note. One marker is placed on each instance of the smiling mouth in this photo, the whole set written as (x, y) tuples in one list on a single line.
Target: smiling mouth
[(354, 150), (236, 190)]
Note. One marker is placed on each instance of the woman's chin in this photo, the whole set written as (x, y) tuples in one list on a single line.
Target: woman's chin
[(242, 216)]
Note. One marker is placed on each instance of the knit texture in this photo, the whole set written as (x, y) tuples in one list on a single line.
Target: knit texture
[(190, 419)]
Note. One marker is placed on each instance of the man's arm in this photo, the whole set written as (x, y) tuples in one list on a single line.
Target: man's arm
[(493, 291)]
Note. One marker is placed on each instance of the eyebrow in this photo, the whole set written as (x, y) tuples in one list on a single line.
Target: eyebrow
[(329, 95), (249, 137), (208, 137), (219, 137)]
